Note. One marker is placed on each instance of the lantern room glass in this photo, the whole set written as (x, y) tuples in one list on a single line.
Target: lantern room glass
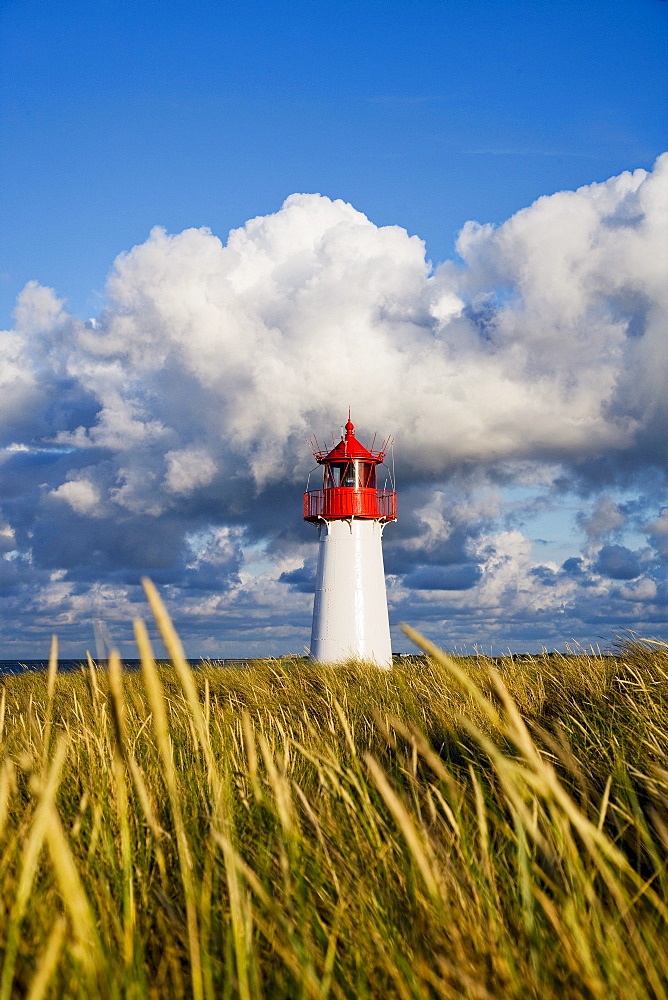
[(366, 472), (354, 474)]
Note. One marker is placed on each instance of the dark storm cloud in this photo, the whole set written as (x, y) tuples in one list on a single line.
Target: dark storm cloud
[(303, 579), (457, 577), (618, 563)]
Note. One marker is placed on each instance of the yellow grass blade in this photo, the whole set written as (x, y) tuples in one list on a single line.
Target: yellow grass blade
[(48, 961), (413, 839)]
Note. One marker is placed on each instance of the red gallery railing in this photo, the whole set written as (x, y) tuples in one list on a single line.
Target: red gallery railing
[(346, 501)]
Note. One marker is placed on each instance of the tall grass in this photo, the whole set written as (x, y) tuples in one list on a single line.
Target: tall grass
[(446, 829)]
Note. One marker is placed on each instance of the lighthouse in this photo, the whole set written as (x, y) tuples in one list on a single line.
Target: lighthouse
[(350, 619)]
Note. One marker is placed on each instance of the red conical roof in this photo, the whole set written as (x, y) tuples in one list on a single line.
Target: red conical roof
[(348, 448)]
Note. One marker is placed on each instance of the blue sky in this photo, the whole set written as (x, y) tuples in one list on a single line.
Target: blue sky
[(119, 117)]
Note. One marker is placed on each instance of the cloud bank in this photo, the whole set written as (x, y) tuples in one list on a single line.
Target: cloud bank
[(168, 436)]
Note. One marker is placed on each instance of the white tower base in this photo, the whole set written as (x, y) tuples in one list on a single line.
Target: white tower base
[(350, 619)]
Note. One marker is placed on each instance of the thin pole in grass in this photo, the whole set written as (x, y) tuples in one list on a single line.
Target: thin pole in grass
[(50, 690), (94, 690)]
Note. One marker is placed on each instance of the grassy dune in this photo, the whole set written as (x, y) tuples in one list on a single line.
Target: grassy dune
[(440, 830)]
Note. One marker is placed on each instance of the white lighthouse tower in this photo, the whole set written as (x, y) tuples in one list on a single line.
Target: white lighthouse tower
[(350, 619)]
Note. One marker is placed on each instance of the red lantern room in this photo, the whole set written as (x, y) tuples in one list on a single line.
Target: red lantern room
[(349, 483)]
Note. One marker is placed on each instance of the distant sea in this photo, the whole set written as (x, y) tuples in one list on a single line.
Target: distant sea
[(66, 666)]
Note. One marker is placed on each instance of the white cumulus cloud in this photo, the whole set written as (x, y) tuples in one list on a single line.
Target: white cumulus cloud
[(82, 496), (187, 469), (539, 356)]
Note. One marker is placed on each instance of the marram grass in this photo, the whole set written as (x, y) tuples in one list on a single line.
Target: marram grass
[(440, 830)]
